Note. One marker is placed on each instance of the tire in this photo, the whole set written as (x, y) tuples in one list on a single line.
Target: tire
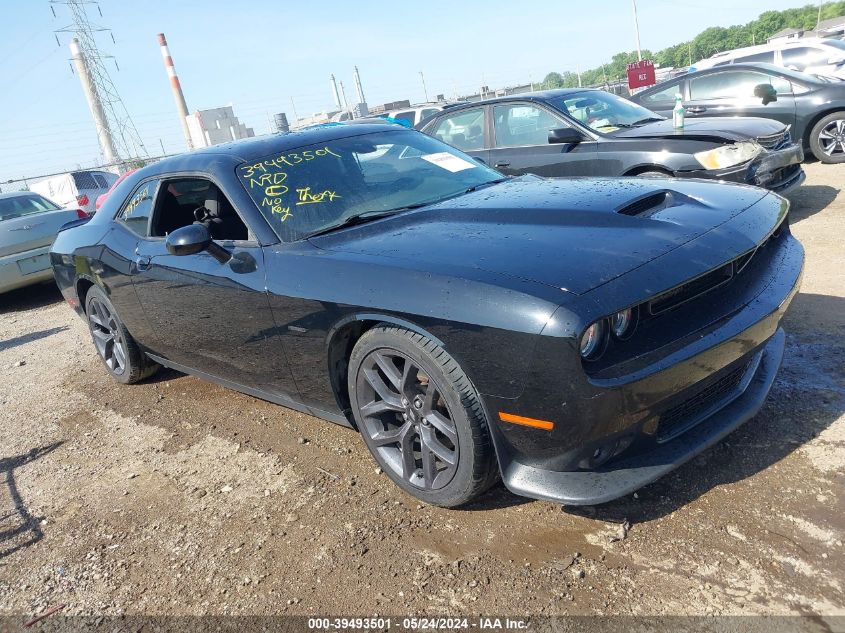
[(652, 174), (420, 417), (116, 348), (827, 138)]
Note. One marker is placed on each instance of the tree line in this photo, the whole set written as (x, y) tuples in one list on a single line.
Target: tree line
[(709, 42)]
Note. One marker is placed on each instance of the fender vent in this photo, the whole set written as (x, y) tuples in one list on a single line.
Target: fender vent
[(645, 206)]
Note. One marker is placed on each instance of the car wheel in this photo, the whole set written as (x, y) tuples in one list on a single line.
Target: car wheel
[(827, 138), (420, 417), (653, 174), (117, 349)]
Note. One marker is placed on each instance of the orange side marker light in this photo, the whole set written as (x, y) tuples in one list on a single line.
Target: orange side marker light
[(532, 422)]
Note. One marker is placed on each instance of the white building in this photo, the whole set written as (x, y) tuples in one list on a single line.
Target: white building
[(214, 126)]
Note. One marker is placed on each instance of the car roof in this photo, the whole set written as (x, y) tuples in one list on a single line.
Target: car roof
[(537, 95), (15, 194), (257, 147)]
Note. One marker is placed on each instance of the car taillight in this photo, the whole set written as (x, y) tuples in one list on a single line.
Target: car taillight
[(81, 214), (82, 200)]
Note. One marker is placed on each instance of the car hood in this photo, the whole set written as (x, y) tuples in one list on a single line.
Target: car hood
[(573, 234), (718, 129)]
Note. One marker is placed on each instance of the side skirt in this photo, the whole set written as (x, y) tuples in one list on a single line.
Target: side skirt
[(283, 401)]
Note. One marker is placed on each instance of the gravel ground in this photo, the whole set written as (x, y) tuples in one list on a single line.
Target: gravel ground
[(176, 496)]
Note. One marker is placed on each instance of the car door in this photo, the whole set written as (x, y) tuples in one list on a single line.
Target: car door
[(521, 143), (465, 129), (731, 93), (209, 316)]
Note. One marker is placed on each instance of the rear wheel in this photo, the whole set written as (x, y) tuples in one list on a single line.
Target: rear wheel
[(117, 349), (420, 417), (827, 138)]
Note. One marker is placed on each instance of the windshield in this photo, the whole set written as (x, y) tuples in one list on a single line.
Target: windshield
[(603, 111), (313, 188), (28, 204), (835, 44)]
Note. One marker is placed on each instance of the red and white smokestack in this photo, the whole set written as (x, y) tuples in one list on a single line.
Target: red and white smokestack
[(181, 107)]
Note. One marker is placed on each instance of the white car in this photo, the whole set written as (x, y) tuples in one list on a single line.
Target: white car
[(812, 55)]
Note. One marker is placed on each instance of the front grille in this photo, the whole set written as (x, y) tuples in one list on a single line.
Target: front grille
[(684, 416), (775, 141), (692, 289)]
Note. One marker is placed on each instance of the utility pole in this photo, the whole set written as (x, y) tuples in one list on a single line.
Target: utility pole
[(115, 123), (637, 28), (293, 105), (425, 90), (819, 18), (359, 89), (335, 94), (89, 89)]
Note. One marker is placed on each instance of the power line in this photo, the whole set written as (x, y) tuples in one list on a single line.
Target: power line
[(117, 128)]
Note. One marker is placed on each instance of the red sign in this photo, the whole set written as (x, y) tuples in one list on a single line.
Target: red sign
[(641, 74)]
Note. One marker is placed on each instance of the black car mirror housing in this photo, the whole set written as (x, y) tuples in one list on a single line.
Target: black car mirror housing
[(565, 135), (193, 239), (766, 92)]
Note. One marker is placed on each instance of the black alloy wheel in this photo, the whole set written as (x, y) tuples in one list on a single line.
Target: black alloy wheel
[(119, 352), (407, 420), (107, 337), (420, 417)]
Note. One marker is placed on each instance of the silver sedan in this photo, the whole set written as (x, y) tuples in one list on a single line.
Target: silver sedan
[(28, 224)]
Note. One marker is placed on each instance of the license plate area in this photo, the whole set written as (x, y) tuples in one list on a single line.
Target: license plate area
[(34, 264)]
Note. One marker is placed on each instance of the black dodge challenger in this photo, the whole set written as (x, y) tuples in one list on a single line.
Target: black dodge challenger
[(578, 338)]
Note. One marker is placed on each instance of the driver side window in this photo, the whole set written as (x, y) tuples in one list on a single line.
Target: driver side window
[(521, 124), (185, 201)]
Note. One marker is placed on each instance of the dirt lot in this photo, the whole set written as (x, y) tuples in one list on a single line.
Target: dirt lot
[(177, 496)]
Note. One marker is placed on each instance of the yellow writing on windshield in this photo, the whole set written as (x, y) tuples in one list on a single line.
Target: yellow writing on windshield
[(290, 159), (306, 197)]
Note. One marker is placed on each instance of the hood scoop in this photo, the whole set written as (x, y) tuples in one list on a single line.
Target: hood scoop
[(647, 205)]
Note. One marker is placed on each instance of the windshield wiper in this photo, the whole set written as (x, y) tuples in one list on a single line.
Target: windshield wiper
[(486, 184), (648, 119), (357, 218)]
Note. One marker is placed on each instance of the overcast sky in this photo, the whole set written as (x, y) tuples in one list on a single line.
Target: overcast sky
[(258, 54)]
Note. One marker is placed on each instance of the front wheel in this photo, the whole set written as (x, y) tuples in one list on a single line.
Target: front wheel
[(420, 417), (119, 352), (827, 138)]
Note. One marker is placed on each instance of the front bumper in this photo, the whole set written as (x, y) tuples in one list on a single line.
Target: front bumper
[(24, 269), (777, 170), (627, 475)]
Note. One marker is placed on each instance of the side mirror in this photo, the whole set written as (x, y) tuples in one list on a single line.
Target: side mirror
[(193, 239), (565, 135), (766, 92)]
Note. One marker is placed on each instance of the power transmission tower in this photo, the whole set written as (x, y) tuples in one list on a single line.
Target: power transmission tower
[(118, 127)]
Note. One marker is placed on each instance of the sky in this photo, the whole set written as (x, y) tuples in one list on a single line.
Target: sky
[(265, 56)]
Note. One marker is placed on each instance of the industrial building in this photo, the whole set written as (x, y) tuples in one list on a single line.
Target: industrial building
[(215, 126)]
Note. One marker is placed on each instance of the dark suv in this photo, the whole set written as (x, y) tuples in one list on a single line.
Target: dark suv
[(581, 132)]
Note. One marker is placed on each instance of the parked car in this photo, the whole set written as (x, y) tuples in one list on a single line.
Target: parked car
[(581, 132), (28, 224), (582, 337), (813, 55), (415, 114), (77, 189), (813, 107), (102, 197)]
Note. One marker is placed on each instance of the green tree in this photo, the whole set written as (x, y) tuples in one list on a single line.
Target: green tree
[(710, 41)]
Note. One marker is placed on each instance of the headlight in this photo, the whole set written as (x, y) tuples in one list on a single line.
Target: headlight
[(622, 323), (593, 340), (728, 155)]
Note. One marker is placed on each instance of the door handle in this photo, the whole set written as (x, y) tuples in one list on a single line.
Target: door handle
[(143, 262), (696, 109), (502, 163)]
